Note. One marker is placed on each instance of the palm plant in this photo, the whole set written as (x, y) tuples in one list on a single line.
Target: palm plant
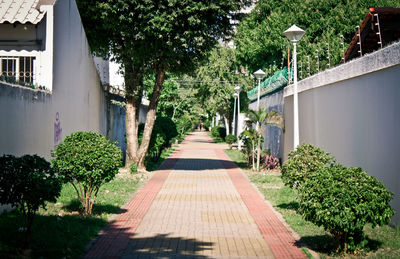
[(250, 139), (262, 118)]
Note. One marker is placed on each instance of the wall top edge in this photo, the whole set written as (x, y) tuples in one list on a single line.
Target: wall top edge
[(24, 88), (372, 62)]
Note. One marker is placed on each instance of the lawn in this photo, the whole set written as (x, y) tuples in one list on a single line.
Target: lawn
[(59, 231), (384, 242)]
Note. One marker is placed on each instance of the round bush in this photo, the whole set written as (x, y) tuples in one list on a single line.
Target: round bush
[(231, 139), (302, 162), (87, 160), (27, 183), (218, 132), (343, 200)]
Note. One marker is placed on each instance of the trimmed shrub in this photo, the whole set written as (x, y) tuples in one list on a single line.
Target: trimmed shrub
[(219, 133), (302, 162), (87, 160), (230, 139), (27, 183), (342, 200), (184, 125), (168, 127), (207, 125)]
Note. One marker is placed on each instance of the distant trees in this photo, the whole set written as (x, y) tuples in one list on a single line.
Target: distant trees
[(216, 81)]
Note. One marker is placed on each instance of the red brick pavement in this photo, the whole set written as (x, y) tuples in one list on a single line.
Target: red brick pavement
[(119, 236), (274, 232), (115, 239)]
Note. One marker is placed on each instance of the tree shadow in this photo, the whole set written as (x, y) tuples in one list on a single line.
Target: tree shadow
[(51, 236), (196, 164), (327, 244), (289, 206), (166, 246), (98, 209)]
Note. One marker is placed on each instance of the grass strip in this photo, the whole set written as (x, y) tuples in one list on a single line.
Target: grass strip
[(59, 231)]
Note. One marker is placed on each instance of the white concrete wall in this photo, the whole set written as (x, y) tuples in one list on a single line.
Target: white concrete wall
[(76, 103), (352, 111), (77, 92)]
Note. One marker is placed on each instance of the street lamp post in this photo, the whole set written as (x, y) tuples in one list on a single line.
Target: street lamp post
[(235, 95), (237, 91), (294, 34), (259, 74)]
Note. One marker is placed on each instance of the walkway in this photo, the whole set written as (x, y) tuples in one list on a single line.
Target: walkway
[(198, 205)]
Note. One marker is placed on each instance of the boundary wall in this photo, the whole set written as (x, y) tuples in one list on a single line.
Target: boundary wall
[(352, 111)]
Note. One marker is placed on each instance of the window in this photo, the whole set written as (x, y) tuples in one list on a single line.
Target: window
[(17, 69)]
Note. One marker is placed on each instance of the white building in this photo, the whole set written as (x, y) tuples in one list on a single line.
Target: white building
[(43, 43)]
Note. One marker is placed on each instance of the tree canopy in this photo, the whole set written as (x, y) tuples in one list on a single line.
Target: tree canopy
[(260, 41), (153, 38), (217, 79)]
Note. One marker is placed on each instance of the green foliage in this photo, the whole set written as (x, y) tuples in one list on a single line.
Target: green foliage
[(249, 138), (154, 38), (302, 162), (176, 97), (27, 183), (219, 133), (174, 34), (184, 125), (343, 200), (261, 118), (260, 42), (167, 126), (133, 168), (164, 133), (217, 80), (230, 139), (87, 160)]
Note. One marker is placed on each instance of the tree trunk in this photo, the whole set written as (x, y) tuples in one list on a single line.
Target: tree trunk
[(258, 153), (134, 92), (253, 155), (226, 125), (150, 118)]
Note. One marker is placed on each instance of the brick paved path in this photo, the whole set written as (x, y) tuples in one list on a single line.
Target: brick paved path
[(198, 205)]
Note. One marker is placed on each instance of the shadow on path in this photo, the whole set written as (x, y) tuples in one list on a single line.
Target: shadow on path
[(197, 164), (165, 246)]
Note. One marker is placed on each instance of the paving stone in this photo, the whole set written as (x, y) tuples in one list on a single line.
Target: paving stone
[(198, 205)]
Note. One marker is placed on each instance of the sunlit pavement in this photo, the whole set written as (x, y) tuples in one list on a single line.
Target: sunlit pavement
[(197, 205)]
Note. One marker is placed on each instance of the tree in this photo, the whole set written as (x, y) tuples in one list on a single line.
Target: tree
[(27, 183), (154, 38), (217, 80), (262, 118), (175, 98), (86, 160), (260, 41)]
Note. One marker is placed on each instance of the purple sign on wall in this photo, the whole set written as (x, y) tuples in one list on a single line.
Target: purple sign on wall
[(57, 130)]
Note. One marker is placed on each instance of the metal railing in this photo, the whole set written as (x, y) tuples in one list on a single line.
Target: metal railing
[(17, 69)]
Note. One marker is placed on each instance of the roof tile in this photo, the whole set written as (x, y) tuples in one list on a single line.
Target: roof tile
[(22, 11)]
